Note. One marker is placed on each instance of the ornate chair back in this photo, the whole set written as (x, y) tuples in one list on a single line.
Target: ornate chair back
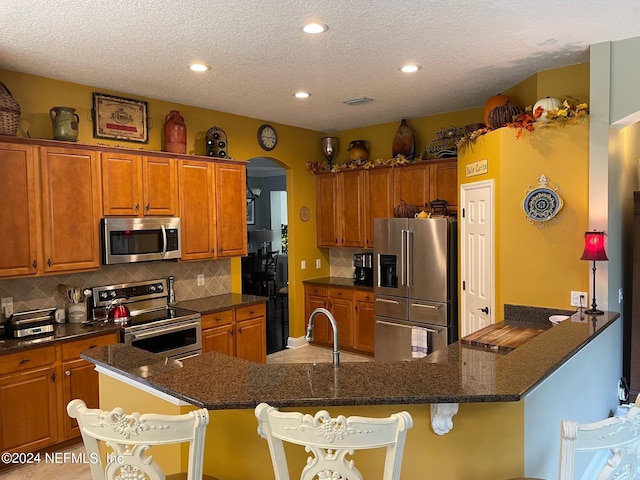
[(129, 436), (330, 440), (621, 435)]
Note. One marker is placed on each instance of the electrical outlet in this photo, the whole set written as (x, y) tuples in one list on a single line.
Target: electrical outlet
[(200, 279), (303, 265), (575, 299), (7, 306), (318, 263)]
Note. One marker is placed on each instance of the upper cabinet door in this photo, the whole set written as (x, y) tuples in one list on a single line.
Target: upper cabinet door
[(231, 209), (411, 184), (160, 186), (197, 209), (444, 182), (378, 199), (121, 184), (71, 193), (18, 211), (350, 200), (326, 210)]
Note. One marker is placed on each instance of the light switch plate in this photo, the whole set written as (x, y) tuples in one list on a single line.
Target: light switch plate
[(303, 265), (318, 263)]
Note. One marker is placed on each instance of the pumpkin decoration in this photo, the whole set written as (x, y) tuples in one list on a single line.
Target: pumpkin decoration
[(548, 103), (493, 102), (405, 210), (503, 114)]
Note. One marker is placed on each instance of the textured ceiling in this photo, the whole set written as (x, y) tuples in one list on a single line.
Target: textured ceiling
[(469, 50)]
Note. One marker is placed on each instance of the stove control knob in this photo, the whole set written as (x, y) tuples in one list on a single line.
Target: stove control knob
[(112, 294), (152, 288), (159, 287), (102, 295)]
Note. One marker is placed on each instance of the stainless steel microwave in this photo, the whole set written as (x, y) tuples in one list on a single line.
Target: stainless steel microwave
[(132, 239)]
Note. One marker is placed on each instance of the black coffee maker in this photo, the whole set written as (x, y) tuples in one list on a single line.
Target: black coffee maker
[(363, 272)]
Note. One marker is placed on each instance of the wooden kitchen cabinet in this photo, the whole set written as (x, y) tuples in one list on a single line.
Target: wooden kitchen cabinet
[(443, 182), (239, 332), (231, 209), (71, 191), (327, 228), (378, 199), (341, 307), (317, 297), (139, 185), (19, 210), (197, 209), (79, 378), (411, 184), (351, 195), (363, 321), (28, 400)]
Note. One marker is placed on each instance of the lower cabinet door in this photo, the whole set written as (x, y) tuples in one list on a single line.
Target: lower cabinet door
[(250, 340), (364, 326), (80, 380), (28, 410), (218, 339)]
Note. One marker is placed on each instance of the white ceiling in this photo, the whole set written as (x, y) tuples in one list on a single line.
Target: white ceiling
[(469, 50)]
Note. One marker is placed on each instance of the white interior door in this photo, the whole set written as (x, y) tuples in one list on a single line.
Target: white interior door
[(477, 256)]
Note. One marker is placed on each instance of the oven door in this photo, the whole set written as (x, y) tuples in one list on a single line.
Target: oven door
[(177, 340)]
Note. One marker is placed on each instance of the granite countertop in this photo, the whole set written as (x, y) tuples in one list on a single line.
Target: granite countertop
[(61, 332), (220, 302), (458, 373), (337, 282)]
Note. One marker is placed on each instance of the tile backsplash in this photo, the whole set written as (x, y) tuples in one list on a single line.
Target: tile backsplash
[(42, 292), (341, 261)]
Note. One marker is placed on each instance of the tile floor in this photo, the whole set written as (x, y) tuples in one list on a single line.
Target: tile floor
[(67, 470)]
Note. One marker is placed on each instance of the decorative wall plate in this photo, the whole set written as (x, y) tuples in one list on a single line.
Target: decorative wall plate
[(542, 204), (305, 214)]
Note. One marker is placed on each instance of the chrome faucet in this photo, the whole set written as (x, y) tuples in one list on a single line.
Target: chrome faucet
[(334, 326)]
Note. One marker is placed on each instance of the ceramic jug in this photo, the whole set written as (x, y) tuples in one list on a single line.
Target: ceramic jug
[(358, 150), (175, 133), (65, 123)]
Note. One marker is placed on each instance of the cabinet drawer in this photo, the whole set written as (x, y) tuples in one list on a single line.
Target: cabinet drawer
[(26, 360), (363, 296), (316, 290), (72, 350), (346, 293), (252, 311), (216, 319)]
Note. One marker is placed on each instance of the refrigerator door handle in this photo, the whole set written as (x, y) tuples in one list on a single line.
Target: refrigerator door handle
[(403, 258), (430, 330), (409, 257)]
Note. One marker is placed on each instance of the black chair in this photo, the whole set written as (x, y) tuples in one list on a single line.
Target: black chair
[(264, 275)]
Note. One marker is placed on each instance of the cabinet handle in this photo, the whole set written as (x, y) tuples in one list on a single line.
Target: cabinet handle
[(35, 264), (24, 360), (49, 262), (147, 207), (240, 330), (231, 332), (137, 207), (92, 346), (53, 377), (213, 251), (68, 373), (221, 249)]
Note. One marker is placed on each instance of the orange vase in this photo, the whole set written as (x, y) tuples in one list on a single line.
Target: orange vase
[(175, 133)]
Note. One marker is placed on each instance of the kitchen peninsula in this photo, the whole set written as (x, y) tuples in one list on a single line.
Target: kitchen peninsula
[(510, 405)]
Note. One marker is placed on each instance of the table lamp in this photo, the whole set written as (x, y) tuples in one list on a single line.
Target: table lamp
[(594, 251)]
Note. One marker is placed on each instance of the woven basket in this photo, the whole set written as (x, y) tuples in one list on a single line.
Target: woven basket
[(9, 112)]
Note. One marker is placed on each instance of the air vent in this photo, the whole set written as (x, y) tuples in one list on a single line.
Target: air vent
[(358, 101)]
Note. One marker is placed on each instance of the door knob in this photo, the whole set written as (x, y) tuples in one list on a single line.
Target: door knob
[(484, 310)]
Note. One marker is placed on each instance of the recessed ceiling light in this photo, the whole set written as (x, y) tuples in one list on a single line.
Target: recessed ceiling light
[(302, 95), (314, 28), (199, 67), (410, 68)]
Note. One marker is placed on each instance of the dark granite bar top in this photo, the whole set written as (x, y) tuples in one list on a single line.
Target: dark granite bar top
[(62, 332), (337, 282), (457, 373), (220, 302)]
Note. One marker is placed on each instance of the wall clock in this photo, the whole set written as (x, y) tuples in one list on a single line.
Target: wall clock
[(267, 137)]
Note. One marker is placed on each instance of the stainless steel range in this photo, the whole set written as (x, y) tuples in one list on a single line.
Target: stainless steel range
[(152, 324)]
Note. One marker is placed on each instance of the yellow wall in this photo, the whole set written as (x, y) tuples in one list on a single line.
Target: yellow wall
[(487, 440), (536, 266)]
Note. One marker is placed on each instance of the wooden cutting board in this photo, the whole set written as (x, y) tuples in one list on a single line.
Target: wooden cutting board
[(501, 337)]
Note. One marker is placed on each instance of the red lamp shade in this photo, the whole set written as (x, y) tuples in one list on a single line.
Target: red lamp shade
[(594, 247)]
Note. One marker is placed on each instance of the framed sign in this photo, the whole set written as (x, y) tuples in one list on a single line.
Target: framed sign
[(251, 219), (118, 118)]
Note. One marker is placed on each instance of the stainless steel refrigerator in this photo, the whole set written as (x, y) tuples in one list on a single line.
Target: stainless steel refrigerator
[(415, 286)]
